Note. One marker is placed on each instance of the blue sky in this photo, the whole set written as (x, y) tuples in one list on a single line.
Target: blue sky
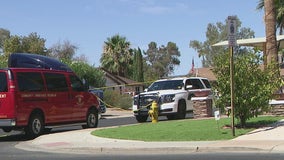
[(88, 23)]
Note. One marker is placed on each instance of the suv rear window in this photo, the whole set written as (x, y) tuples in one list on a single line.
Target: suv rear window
[(206, 82), (196, 83), (3, 82)]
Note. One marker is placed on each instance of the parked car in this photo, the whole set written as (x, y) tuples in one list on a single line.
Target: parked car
[(43, 95), (100, 94), (174, 97)]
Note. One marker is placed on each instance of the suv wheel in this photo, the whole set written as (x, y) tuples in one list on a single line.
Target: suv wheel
[(171, 117), (141, 119), (7, 129), (181, 110)]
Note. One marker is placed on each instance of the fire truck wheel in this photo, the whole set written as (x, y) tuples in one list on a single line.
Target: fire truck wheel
[(35, 126), (92, 119)]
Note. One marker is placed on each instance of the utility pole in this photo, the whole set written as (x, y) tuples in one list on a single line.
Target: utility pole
[(232, 90), (232, 29)]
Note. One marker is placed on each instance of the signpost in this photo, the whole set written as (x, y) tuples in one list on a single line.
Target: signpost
[(232, 29), (217, 118)]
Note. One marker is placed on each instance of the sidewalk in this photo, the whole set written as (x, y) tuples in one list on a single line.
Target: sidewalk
[(267, 140)]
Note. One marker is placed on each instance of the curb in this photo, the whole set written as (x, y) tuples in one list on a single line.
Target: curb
[(140, 150), (89, 144)]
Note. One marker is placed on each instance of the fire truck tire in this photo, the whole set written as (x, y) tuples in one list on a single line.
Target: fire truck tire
[(35, 126), (92, 119)]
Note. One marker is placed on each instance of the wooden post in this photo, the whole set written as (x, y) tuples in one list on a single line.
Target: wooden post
[(232, 90)]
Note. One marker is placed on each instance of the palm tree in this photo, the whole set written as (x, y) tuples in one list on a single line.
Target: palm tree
[(270, 31), (279, 9), (117, 55), (273, 14)]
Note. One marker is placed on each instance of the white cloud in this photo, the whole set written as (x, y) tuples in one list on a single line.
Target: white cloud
[(163, 7), (150, 7), (155, 9)]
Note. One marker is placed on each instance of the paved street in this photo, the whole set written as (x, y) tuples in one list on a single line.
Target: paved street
[(68, 143)]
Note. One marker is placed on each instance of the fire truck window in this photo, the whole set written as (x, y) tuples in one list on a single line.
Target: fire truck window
[(56, 82), (76, 84), (3, 82), (30, 81)]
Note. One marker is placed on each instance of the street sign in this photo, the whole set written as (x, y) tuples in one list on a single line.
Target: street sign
[(232, 31), (217, 115)]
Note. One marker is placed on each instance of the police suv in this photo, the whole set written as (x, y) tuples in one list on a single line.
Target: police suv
[(174, 97)]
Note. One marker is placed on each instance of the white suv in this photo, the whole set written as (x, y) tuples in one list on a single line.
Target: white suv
[(174, 97)]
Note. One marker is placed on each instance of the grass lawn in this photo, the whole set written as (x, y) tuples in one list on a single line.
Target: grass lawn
[(183, 130)]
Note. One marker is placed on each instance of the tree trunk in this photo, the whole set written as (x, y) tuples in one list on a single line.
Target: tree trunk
[(270, 31), (242, 121)]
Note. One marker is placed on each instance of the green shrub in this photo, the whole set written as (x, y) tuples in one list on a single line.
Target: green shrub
[(117, 100)]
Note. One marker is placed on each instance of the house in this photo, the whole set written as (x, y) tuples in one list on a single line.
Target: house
[(205, 72), (122, 84), (208, 73)]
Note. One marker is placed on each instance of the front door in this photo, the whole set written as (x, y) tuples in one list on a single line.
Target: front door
[(59, 108), (78, 98)]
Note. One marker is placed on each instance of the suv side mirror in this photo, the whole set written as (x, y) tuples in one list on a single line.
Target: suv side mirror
[(146, 90)]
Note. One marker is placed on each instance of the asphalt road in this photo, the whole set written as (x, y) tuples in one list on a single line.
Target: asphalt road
[(9, 152), (9, 140), (20, 155)]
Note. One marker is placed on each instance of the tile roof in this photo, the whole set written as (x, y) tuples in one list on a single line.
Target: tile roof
[(208, 73), (121, 80)]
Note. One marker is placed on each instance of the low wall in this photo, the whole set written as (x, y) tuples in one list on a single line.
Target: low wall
[(202, 107), (277, 109)]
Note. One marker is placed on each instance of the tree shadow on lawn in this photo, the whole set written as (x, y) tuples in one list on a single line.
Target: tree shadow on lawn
[(258, 124)]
